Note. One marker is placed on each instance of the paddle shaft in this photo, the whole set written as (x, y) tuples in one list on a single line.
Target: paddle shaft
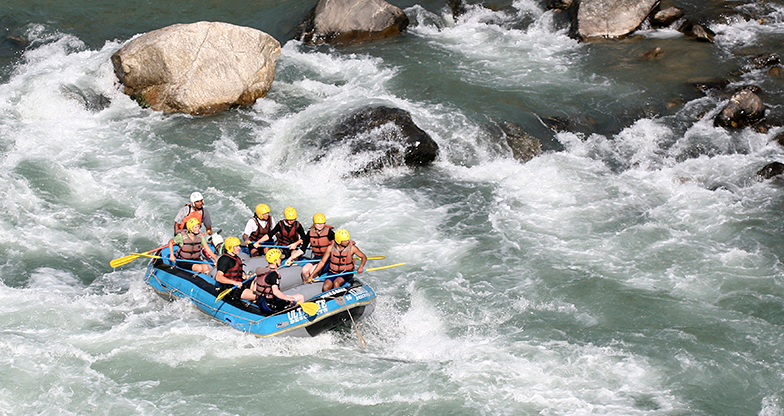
[(184, 260), (318, 260), (327, 276), (265, 245)]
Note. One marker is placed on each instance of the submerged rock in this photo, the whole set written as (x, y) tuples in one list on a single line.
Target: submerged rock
[(524, 146), (391, 132), (653, 54), (698, 31), (91, 100), (457, 7), (770, 170), (199, 68), (350, 21)]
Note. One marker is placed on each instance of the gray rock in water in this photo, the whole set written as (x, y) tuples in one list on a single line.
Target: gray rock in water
[(611, 18), (667, 16), (390, 131), (199, 68), (698, 31), (524, 146), (770, 170), (744, 109), (350, 21)]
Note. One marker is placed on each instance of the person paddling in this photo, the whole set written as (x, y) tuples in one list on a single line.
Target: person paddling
[(190, 245), (259, 225), (340, 256), (320, 236), (229, 272), (269, 298), (288, 232)]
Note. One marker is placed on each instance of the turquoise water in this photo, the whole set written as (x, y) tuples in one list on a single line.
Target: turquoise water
[(634, 269)]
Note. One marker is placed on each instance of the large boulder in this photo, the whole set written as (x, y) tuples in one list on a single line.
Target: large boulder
[(388, 133), (612, 18), (744, 108), (200, 68), (350, 21)]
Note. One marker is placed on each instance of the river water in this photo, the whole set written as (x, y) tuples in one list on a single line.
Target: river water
[(634, 268)]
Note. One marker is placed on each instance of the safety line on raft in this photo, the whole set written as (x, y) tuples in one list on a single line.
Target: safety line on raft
[(171, 290)]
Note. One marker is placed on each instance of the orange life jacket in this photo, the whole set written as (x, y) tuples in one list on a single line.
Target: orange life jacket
[(319, 241), (194, 213), (340, 259)]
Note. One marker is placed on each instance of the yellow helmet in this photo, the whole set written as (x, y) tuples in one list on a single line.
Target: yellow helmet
[(290, 213), (342, 235), (262, 209), (193, 222), (273, 255), (230, 243), (319, 218)]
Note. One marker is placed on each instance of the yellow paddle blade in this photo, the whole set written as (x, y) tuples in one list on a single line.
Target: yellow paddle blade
[(384, 267), (123, 260), (224, 293), (310, 308), (129, 258)]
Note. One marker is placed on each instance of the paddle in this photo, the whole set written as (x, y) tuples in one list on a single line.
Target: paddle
[(187, 261), (326, 276), (227, 291), (310, 308), (131, 257), (264, 245), (318, 260)]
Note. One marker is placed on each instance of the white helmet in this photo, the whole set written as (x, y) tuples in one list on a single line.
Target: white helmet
[(217, 239), (196, 196)]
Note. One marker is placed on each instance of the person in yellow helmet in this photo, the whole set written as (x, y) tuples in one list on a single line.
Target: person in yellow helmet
[(340, 256), (320, 236), (191, 243), (257, 227), (269, 297), (230, 273), (287, 232)]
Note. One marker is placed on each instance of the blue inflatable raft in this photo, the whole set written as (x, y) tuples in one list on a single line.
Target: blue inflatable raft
[(351, 302)]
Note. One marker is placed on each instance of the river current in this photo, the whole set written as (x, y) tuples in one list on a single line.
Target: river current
[(633, 268)]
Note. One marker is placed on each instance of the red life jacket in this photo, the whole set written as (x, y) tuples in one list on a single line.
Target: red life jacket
[(341, 260), (319, 241), (260, 231), (287, 235), (235, 272), (190, 249), (194, 213)]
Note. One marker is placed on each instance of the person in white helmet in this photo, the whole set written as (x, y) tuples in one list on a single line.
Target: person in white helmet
[(195, 209)]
